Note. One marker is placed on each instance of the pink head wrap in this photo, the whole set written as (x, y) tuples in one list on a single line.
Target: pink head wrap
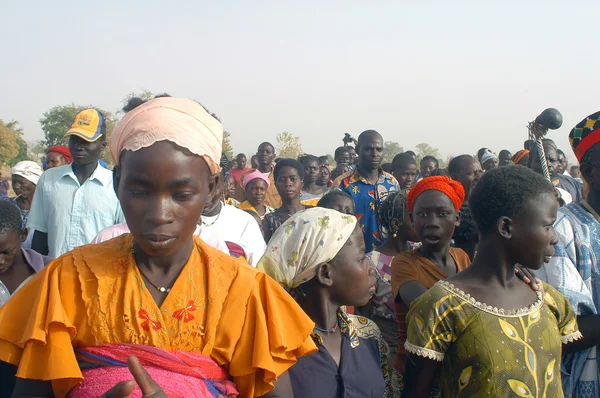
[(178, 120), (256, 174)]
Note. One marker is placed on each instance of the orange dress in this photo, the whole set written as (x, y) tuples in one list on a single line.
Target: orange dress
[(95, 295)]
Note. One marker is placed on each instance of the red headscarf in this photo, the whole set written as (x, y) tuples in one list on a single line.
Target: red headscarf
[(62, 150), (453, 189)]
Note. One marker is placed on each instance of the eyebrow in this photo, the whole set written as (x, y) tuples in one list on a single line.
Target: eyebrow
[(136, 179)]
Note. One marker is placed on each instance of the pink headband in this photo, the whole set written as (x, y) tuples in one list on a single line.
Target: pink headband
[(256, 174)]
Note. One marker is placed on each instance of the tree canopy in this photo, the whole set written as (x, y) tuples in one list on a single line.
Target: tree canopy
[(227, 148), (390, 150), (425, 149), (10, 146), (288, 146)]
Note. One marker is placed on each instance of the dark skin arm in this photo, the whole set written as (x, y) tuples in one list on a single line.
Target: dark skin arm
[(419, 376), (589, 326), (40, 243), (283, 388)]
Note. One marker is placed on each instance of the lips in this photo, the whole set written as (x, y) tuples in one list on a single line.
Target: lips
[(432, 238), (158, 241)]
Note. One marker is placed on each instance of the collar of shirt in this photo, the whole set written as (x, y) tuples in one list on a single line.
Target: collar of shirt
[(383, 176), (102, 175)]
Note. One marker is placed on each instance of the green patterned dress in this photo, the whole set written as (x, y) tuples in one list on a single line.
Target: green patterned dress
[(487, 351)]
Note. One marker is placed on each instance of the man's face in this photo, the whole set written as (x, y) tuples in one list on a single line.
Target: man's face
[(370, 152)]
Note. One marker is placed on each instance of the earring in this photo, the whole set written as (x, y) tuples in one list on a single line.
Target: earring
[(395, 235)]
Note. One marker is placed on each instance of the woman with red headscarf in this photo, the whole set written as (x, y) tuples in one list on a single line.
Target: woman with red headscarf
[(434, 204), (58, 156)]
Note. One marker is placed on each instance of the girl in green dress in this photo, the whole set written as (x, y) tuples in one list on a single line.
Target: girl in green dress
[(483, 331)]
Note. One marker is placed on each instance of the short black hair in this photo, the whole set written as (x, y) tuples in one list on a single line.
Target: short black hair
[(393, 207), (431, 158), (466, 233), (340, 150), (503, 192), (293, 163), (327, 200), (387, 167), (134, 102), (267, 143), (323, 159), (368, 134), (241, 154), (456, 163), (439, 172), (402, 160), (309, 158), (10, 217), (411, 153), (504, 152)]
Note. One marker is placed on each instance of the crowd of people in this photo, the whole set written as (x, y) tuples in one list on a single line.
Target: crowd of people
[(181, 272)]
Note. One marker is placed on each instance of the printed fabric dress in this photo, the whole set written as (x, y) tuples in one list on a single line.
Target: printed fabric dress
[(488, 351)]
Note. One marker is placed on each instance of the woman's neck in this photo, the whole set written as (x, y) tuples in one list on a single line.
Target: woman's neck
[(312, 187), (439, 257), (24, 203), (165, 265), (260, 207), (319, 309), (394, 246), (491, 266)]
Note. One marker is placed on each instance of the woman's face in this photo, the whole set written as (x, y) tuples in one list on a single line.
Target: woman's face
[(10, 244), (324, 176), (343, 204), (163, 189), (256, 190), (311, 171), (434, 218), (288, 184), (23, 187), (427, 167), (55, 159), (490, 164), (229, 186), (353, 273), (533, 232)]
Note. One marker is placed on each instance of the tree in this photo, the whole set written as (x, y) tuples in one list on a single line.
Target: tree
[(390, 150), (10, 147), (425, 149), (288, 146), (227, 149), (22, 154), (144, 95), (58, 120)]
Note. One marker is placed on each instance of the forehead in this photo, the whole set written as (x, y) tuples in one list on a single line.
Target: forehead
[(287, 171), (266, 147), (257, 182), (371, 141)]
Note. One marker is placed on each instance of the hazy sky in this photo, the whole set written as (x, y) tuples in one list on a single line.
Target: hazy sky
[(458, 75)]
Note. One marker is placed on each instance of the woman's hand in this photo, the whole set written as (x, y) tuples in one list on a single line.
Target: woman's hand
[(526, 276), (148, 386)]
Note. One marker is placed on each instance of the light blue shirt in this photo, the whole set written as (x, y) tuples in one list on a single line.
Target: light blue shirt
[(73, 214)]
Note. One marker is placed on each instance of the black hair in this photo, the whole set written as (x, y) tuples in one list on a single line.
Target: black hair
[(241, 154), (327, 200), (466, 233), (269, 144), (224, 163), (309, 158), (402, 160), (456, 163), (293, 163), (387, 167), (411, 153), (504, 152), (393, 207), (431, 158), (439, 172), (134, 102), (529, 144), (368, 134), (340, 150), (323, 159), (503, 192), (10, 217)]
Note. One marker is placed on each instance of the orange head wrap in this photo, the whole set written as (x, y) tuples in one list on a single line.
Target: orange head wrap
[(453, 189), (520, 155)]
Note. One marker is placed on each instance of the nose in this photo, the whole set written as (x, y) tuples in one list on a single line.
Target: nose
[(158, 212)]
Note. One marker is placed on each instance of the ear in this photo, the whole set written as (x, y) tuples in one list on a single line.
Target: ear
[(214, 182), (324, 274), (458, 217), (505, 227), (23, 235), (116, 179)]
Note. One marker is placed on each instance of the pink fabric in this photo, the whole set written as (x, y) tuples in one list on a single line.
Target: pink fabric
[(256, 174), (238, 173)]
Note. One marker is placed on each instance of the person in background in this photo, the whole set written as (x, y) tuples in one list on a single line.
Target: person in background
[(466, 236), (483, 332), (489, 160), (563, 163), (576, 174), (265, 157), (229, 190), (76, 201), (25, 177), (521, 158), (400, 233), (504, 158), (254, 162), (369, 185), (466, 170), (570, 190), (428, 164), (353, 155), (58, 155), (324, 179), (241, 168), (289, 178), (337, 200), (342, 159), (387, 167), (575, 265), (177, 299), (481, 152), (318, 255), (4, 187), (434, 204), (404, 169), (256, 186), (311, 191), (324, 160)]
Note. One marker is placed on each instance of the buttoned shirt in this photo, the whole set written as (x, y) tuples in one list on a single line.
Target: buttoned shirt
[(70, 213)]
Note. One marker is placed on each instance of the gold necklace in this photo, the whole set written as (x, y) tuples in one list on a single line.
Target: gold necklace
[(161, 289)]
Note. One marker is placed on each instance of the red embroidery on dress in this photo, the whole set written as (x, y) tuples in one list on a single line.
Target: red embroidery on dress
[(185, 314), (143, 314)]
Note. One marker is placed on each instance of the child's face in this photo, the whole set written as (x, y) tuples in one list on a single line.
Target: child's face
[(343, 205), (435, 219), (10, 244), (406, 176)]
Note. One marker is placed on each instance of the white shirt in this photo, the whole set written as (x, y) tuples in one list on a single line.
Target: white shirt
[(237, 226), (207, 236), (72, 214)]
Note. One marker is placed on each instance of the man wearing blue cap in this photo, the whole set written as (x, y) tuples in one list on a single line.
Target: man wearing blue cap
[(76, 201)]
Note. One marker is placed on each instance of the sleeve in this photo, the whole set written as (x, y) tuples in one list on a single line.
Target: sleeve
[(267, 340), (403, 270), (431, 324), (38, 326), (254, 244), (565, 316), (37, 216)]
